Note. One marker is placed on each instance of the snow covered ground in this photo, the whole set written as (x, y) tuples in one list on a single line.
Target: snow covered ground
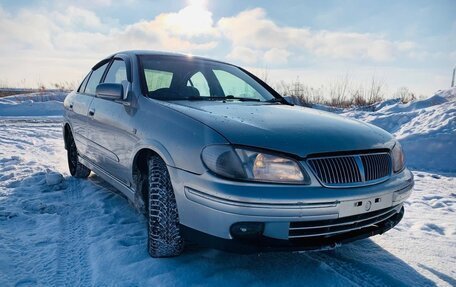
[(33, 105), (64, 231)]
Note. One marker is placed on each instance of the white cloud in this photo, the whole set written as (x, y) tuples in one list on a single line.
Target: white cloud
[(193, 20), (78, 18), (76, 33), (252, 29), (406, 46), (57, 45), (26, 30), (190, 29), (244, 55), (276, 56)]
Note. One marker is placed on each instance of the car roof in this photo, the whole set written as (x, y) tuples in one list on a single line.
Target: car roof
[(133, 53), (161, 53)]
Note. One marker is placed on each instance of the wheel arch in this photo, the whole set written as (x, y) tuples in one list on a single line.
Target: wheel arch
[(139, 167), (143, 151), (140, 159)]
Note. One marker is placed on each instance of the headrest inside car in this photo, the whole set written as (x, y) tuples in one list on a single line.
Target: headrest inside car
[(182, 93), (188, 92)]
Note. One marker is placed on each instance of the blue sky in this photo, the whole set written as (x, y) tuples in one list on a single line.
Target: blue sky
[(400, 43)]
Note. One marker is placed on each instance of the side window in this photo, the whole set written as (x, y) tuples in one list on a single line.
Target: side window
[(117, 73), (199, 82), (83, 84), (157, 79), (95, 79), (234, 86)]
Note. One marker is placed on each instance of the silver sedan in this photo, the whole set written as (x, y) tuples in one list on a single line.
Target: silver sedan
[(212, 154)]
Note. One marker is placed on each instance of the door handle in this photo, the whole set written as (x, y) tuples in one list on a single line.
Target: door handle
[(91, 112)]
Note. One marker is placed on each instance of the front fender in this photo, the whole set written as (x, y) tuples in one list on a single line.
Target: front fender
[(155, 146), (176, 137)]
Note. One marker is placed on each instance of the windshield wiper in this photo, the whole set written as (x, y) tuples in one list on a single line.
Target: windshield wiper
[(275, 100), (280, 100), (221, 98)]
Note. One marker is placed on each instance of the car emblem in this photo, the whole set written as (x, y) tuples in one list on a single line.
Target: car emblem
[(359, 163), (368, 205)]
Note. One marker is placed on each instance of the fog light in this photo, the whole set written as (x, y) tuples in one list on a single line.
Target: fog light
[(247, 230)]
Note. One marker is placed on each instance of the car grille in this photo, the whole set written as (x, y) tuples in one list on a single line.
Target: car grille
[(351, 170), (330, 227)]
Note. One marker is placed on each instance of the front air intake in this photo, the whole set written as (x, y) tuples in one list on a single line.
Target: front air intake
[(351, 170)]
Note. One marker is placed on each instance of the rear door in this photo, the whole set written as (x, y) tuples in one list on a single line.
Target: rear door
[(80, 103), (111, 134)]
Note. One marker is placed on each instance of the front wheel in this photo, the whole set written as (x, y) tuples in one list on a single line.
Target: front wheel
[(164, 235), (76, 168)]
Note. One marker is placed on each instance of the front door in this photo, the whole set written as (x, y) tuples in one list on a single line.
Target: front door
[(110, 132)]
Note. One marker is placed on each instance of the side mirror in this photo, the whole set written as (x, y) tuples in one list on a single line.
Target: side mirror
[(110, 91)]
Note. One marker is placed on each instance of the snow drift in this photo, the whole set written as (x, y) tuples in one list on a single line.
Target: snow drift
[(33, 105), (425, 128)]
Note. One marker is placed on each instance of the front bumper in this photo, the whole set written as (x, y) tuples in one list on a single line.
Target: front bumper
[(264, 244), (209, 205)]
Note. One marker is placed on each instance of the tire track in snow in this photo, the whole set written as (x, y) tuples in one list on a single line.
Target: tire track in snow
[(30, 257), (351, 272), (73, 267)]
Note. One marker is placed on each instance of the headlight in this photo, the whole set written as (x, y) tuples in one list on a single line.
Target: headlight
[(245, 164), (398, 158)]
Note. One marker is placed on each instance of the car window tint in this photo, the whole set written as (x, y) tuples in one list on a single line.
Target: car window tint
[(83, 84), (156, 79), (117, 73), (235, 86), (170, 78), (199, 82), (95, 79)]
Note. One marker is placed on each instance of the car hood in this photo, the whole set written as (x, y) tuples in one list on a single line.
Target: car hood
[(290, 129)]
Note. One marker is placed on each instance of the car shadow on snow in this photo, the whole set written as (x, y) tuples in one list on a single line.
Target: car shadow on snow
[(362, 263)]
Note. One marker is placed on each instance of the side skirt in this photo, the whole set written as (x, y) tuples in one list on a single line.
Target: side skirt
[(127, 191)]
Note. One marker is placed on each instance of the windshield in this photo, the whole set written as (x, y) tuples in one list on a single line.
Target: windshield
[(178, 78)]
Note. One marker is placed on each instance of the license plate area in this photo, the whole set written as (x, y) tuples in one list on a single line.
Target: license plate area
[(360, 206)]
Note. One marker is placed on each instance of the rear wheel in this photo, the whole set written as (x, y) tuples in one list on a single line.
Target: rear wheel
[(164, 235), (76, 168)]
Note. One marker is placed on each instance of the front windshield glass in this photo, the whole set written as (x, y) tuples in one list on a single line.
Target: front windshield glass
[(178, 78)]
